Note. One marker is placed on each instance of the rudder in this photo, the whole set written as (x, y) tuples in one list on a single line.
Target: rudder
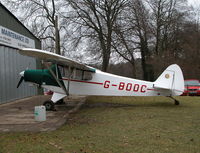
[(171, 79)]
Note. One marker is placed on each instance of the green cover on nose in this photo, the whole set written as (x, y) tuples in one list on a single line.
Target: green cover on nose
[(42, 76)]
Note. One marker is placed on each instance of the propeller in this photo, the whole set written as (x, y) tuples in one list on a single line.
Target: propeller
[(21, 79)]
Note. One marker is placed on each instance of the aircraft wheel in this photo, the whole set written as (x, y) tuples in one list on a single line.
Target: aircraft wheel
[(176, 102), (50, 106)]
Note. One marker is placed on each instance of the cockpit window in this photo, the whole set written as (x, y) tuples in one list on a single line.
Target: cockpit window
[(76, 74), (87, 75)]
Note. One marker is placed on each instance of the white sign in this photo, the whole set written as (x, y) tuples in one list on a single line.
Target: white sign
[(14, 39)]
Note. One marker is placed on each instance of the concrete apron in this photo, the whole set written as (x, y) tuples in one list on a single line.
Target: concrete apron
[(18, 116)]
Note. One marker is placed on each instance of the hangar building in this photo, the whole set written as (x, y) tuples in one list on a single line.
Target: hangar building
[(14, 35)]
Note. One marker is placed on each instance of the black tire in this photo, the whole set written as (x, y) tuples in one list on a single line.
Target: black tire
[(176, 102), (50, 106)]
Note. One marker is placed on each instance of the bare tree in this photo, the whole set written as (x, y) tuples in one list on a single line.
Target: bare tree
[(189, 38), (41, 16), (150, 27), (165, 17), (95, 20), (153, 30), (133, 35)]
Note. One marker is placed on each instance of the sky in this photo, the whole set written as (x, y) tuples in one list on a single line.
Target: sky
[(194, 2)]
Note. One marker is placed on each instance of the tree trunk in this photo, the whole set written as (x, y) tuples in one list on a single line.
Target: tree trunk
[(144, 51), (106, 57), (134, 69), (57, 37)]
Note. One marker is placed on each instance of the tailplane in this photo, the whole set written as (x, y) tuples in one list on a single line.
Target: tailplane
[(171, 79)]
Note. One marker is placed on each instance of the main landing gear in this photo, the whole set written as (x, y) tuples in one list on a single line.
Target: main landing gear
[(50, 105), (176, 102)]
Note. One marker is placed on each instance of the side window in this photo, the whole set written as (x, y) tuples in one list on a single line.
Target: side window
[(78, 74), (62, 70), (66, 72), (87, 75), (82, 75)]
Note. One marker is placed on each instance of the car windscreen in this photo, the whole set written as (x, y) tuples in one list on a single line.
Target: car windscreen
[(192, 83)]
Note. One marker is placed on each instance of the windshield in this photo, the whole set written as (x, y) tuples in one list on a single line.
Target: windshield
[(192, 83)]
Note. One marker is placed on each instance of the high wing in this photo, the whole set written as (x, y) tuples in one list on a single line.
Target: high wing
[(55, 58)]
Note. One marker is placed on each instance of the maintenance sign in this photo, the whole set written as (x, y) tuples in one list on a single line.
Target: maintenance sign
[(14, 39)]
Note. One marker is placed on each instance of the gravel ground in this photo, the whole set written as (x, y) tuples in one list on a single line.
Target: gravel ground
[(18, 116)]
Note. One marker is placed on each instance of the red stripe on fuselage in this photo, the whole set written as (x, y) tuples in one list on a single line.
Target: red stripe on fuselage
[(84, 81), (151, 89)]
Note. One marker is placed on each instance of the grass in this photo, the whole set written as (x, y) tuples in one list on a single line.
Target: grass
[(137, 125)]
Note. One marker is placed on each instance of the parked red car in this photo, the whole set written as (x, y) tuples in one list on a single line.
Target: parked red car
[(192, 87)]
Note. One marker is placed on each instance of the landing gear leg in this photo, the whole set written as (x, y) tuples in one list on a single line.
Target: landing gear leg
[(60, 102), (176, 102), (50, 106)]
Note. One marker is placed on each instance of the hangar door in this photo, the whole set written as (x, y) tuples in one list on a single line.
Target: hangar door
[(11, 64)]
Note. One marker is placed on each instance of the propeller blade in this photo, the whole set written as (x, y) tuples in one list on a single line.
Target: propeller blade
[(20, 81)]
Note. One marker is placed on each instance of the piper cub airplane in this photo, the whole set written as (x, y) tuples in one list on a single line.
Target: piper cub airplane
[(66, 77)]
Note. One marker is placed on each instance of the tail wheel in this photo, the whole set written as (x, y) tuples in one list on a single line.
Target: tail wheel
[(176, 102), (50, 106)]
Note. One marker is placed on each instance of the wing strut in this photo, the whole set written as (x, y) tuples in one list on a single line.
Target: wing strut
[(69, 77), (57, 79)]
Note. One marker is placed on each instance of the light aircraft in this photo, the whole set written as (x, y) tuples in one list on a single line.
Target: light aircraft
[(66, 77)]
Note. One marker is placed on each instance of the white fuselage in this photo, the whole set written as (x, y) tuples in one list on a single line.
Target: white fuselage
[(109, 85), (85, 80)]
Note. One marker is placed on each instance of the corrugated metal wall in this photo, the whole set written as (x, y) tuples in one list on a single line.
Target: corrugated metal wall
[(11, 64)]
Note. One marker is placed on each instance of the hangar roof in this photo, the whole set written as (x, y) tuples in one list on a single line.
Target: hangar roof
[(1, 5)]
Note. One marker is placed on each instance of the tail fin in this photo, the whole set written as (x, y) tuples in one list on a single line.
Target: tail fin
[(171, 79)]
